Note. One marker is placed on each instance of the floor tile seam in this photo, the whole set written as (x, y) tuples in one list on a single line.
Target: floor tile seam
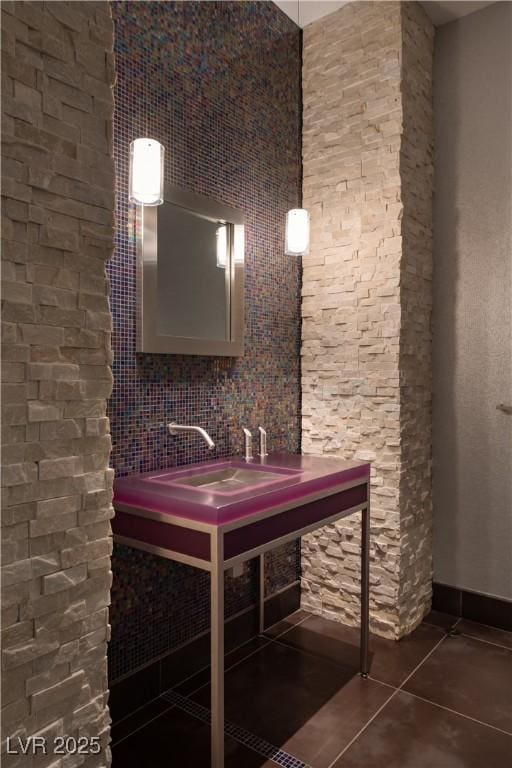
[(473, 621), (268, 640), (381, 682), (292, 626), (363, 728), (488, 626), (246, 738), (134, 711), (443, 639), (227, 669), (189, 677), (438, 626), (383, 705), (239, 661), (487, 642), (345, 666), (426, 657), (143, 725), (313, 655), (456, 712)]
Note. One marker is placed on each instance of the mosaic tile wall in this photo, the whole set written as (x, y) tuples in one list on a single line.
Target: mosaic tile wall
[(218, 83)]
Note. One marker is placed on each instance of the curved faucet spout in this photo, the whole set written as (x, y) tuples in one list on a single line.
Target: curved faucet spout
[(175, 429)]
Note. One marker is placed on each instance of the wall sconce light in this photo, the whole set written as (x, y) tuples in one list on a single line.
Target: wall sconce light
[(222, 246), (297, 232), (146, 172)]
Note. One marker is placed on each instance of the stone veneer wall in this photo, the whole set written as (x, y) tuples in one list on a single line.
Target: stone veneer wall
[(57, 230), (366, 379)]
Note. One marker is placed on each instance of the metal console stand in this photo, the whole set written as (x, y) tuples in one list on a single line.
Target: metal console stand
[(217, 624)]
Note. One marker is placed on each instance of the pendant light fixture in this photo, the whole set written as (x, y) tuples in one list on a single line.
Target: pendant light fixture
[(297, 232)]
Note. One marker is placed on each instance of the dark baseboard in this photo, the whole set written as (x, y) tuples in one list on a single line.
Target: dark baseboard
[(472, 605), (137, 689)]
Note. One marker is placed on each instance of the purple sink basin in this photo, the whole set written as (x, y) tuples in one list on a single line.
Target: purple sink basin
[(198, 493), (225, 479), (174, 512)]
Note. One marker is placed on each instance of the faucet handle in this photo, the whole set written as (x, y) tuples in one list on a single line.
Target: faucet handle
[(248, 444), (263, 442)]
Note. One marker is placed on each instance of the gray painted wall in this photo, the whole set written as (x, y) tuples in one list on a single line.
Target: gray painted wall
[(472, 303)]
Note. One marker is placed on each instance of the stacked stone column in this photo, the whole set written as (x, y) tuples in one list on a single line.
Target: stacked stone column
[(57, 233), (366, 308)]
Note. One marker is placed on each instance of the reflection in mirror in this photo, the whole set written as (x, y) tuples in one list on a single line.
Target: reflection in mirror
[(192, 275)]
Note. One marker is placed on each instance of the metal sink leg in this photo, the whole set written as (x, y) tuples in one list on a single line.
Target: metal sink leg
[(217, 649), (365, 589)]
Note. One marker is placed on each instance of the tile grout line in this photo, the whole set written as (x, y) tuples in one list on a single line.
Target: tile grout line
[(386, 685), (487, 642), (288, 629), (489, 626), (143, 725), (276, 640), (396, 690), (198, 672), (304, 651), (468, 634), (269, 641), (247, 738), (429, 654), (134, 711), (207, 666), (244, 737), (240, 661), (472, 621), (460, 714), (362, 730)]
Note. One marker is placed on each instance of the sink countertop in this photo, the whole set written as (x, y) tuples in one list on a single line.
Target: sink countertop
[(309, 477)]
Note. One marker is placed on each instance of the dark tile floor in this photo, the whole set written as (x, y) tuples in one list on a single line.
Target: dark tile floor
[(439, 698)]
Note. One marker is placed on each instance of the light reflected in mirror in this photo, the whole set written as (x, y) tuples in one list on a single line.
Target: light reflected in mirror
[(222, 246), (190, 278), (193, 275)]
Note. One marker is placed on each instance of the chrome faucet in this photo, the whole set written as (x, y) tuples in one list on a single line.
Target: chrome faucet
[(263, 442), (175, 429), (248, 444)]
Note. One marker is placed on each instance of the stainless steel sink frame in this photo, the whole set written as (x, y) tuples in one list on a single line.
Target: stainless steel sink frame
[(217, 565)]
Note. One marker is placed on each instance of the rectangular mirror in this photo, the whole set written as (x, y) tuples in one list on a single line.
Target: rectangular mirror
[(190, 258)]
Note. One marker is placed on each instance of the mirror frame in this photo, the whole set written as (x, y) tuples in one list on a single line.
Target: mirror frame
[(149, 340)]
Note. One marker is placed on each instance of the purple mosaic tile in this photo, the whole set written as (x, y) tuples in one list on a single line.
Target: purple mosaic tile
[(218, 83)]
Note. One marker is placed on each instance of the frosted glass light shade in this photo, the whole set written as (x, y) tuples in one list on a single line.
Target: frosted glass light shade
[(297, 232), (146, 172)]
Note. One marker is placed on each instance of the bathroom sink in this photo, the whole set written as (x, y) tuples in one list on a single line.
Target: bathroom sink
[(227, 478), (230, 479), (229, 491)]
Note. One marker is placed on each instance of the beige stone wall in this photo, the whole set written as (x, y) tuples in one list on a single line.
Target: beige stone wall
[(367, 152), (57, 233), (415, 365)]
